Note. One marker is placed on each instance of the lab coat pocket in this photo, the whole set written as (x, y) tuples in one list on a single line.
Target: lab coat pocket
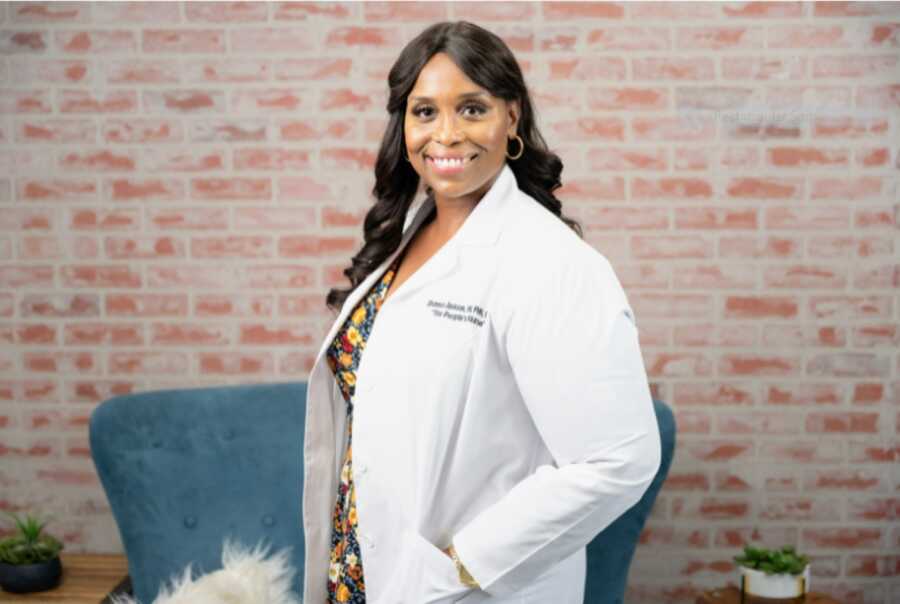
[(431, 574)]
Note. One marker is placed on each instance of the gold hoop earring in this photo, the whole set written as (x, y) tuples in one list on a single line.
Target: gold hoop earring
[(521, 149)]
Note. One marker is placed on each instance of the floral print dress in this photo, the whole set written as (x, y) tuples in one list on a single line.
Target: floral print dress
[(345, 574)]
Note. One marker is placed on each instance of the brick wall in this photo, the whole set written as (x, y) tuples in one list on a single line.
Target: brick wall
[(180, 184)]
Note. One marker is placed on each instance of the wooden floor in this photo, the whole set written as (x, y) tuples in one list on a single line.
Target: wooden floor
[(86, 579)]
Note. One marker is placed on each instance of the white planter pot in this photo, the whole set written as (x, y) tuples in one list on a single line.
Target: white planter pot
[(758, 583)]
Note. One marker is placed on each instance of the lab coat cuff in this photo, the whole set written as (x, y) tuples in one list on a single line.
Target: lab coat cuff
[(488, 579)]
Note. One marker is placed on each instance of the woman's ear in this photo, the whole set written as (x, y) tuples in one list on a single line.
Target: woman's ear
[(513, 112)]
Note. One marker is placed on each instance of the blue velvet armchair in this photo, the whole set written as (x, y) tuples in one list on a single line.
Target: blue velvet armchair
[(183, 469)]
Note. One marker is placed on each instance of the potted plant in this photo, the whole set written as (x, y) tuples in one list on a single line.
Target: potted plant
[(29, 560), (772, 573)]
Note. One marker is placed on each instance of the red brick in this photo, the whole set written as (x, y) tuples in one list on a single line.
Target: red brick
[(715, 394), (590, 69), (150, 362), (558, 11), (272, 40), (226, 12), (183, 40), (235, 363), (301, 11), (719, 450), (407, 12), (687, 481), (848, 364), (715, 218), (799, 508), (760, 307), (98, 390), (716, 38), (842, 538), (97, 41), (98, 102), (758, 364), (837, 422), (238, 305), (101, 334), (763, 9), (711, 508), (184, 334), (663, 247), (142, 130), (63, 476), (855, 480), (726, 481), (837, 308), (871, 508), (674, 537), (802, 452), (677, 364), (737, 537)]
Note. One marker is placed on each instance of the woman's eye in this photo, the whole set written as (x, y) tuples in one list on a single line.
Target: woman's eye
[(478, 110)]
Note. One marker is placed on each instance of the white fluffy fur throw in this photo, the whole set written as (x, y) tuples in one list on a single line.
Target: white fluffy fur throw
[(246, 577)]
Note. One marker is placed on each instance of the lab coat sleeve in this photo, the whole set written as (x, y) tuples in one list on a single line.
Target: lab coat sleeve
[(572, 346)]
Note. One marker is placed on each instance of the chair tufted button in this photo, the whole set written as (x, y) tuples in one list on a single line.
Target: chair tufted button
[(157, 443), (268, 520), (190, 521), (229, 434)]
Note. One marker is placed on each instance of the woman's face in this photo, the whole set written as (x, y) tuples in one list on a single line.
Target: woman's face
[(449, 116)]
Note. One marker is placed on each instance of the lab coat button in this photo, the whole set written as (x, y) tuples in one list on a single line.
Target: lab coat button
[(370, 543), (361, 468)]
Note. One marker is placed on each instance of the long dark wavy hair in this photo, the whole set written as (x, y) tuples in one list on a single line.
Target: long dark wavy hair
[(488, 62)]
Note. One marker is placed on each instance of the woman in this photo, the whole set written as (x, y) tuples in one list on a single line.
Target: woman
[(479, 409)]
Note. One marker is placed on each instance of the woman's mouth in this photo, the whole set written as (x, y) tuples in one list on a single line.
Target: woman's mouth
[(443, 165)]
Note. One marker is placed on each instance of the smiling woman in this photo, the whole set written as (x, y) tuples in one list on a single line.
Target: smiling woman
[(479, 409), (457, 95), (456, 134)]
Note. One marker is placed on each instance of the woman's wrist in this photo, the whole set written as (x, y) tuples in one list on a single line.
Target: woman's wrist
[(464, 576)]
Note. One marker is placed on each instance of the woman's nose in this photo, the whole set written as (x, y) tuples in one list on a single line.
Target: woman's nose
[(448, 131)]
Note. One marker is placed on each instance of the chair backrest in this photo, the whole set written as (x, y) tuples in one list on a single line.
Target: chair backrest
[(609, 554), (184, 469)]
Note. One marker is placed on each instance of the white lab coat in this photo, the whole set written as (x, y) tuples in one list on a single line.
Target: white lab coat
[(501, 402)]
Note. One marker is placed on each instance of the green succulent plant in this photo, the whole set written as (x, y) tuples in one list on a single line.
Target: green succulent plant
[(772, 562), (29, 545)]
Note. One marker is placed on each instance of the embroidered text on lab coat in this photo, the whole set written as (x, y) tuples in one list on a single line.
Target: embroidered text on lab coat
[(458, 312)]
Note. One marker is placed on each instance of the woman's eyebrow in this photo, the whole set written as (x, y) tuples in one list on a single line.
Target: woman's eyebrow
[(465, 95)]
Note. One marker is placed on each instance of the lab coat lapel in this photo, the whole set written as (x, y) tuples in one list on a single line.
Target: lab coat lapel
[(358, 292), (441, 264), (480, 227)]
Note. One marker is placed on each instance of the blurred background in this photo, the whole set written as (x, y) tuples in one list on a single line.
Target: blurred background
[(182, 182)]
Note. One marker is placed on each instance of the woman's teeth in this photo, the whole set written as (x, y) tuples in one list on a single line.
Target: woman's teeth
[(449, 163)]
